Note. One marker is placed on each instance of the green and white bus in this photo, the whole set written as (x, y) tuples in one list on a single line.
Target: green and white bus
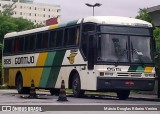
[(100, 53)]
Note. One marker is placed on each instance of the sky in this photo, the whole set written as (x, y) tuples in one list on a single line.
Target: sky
[(75, 9)]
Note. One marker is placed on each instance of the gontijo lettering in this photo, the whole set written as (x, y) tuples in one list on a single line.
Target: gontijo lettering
[(24, 60)]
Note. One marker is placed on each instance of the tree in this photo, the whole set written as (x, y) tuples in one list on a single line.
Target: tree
[(8, 9), (10, 24), (143, 15)]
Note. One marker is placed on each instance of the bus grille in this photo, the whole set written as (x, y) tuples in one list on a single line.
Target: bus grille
[(130, 74)]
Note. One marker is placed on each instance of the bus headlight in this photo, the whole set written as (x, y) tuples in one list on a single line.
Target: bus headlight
[(149, 75)]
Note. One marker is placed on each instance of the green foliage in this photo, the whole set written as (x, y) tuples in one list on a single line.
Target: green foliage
[(0, 64), (156, 34), (8, 9), (10, 24), (143, 15)]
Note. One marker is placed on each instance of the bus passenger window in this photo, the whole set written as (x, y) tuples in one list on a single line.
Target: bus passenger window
[(21, 44), (66, 36), (45, 40), (8, 46), (30, 42), (52, 39), (16, 45), (42, 41), (59, 38), (72, 36)]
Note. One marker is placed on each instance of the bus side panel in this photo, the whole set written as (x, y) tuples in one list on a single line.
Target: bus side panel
[(35, 74), (52, 68), (73, 60)]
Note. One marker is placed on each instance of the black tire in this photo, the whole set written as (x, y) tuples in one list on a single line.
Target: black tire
[(123, 94), (54, 91), (19, 86), (76, 86)]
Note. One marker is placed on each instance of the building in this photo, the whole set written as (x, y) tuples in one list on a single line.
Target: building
[(37, 13), (154, 12)]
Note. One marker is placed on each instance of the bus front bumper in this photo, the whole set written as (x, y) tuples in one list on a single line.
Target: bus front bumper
[(117, 83)]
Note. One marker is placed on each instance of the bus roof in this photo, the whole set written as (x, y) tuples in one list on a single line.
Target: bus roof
[(111, 20), (117, 20)]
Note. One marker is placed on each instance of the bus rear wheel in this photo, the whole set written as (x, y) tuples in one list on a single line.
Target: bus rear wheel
[(123, 94), (76, 86), (19, 86)]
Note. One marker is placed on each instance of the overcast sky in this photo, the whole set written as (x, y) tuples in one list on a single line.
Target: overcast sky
[(75, 9)]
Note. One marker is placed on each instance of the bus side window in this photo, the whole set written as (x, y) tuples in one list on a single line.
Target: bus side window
[(59, 38), (16, 45), (45, 40), (30, 42), (66, 37), (52, 42), (88, 27), (8, 46), (73, 36), (42, 40), (21, 44), (85, 29)]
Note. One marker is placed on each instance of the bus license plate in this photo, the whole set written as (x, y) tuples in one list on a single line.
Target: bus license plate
[(129, 82)]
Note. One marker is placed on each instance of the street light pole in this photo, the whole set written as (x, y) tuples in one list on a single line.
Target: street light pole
[(95, 5)]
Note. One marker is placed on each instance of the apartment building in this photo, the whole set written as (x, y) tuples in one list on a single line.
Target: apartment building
[(35, 12)]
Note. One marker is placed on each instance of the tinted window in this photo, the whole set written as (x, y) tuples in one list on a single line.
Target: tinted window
[(59, 38), (84, 45), (8, 46), (42, 40), (16, 45), (21, 45), (124, 30), (88, 27), (30, 42), (52, 39), (71, 36)]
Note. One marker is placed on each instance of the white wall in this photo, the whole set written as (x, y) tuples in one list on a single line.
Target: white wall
[(37, 13)]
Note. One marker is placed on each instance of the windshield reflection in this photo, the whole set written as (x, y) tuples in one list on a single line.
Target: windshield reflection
[(115, 48), (112, 48), (140, 49)]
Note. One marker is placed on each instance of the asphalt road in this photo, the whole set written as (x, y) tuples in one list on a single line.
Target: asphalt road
[(10, 97)]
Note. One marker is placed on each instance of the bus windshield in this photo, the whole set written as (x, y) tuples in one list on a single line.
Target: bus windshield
[(112, 48), (124, 48)]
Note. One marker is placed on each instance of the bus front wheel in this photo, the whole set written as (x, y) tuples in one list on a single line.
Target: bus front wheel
[(123, 94), (76, 86)]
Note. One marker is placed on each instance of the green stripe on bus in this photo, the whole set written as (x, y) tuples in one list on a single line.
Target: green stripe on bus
[(47, 70), (136, 69), (140, 69), (132, 69), (55, 70)]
